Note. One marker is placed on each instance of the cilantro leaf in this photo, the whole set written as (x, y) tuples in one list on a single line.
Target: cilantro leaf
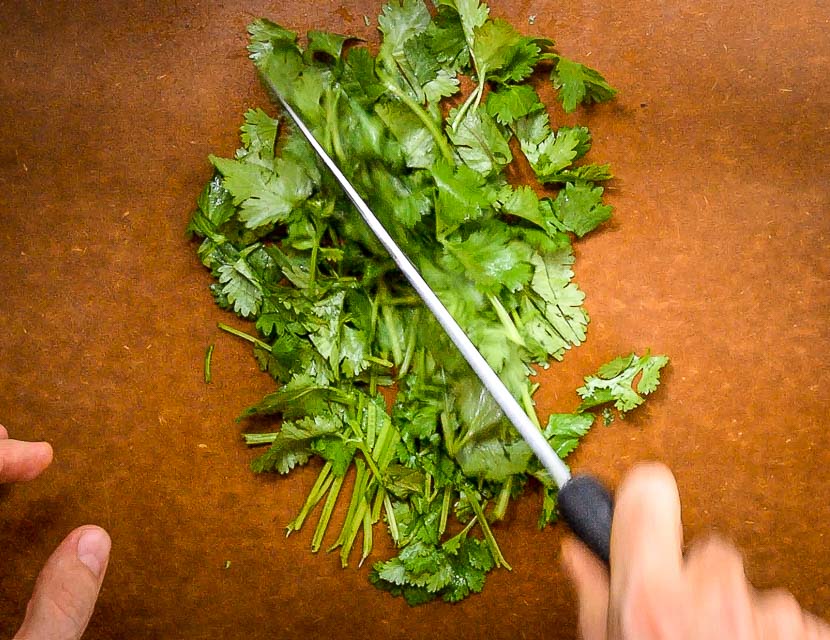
[(491, 258), (259, 134), (564, 431), (502, 54), (511, 102), (240, 287), (614, 382), (579, 208), (293, 444), (325, 43), (479, 142), (579, 84), (562, 304)]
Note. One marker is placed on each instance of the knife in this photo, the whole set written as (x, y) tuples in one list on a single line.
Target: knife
[(584, 503)]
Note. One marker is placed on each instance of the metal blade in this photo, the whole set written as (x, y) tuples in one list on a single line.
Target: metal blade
[(491, 381)]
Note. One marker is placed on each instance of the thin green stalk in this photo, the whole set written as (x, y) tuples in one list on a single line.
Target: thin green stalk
[(390, 319), (419, 111), (391, 521), (255, 439), (380, 361), (351, 534), (529, 408), (352, 526), (367, 537), (461, 534), (359, 483), (445, 510), (488, 533), (319, 489), (373, 467), (380, 496), (510, 329), (332, 121), (244, 336), (208, 358), (312, 267), (371, 426), (462, 111), (412, 333), (325, 515), (503, 499), (387, 440)]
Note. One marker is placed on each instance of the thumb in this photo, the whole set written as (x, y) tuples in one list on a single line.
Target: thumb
[(67, 587), (590, 578)]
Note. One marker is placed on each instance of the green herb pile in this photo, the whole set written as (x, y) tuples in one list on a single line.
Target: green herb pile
[(426, 130)]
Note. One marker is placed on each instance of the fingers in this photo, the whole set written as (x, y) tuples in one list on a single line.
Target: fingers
[(590, 578), (780, 617), (718, 593), (3, 432), (20, 461), (67, 587), (646, 555)]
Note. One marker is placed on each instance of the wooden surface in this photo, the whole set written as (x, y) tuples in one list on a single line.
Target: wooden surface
[(717, 256)]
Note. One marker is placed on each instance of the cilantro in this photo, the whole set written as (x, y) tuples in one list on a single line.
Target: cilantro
[(341, 332), (615, 382), (579, 83), (508, 104), (579, 208)]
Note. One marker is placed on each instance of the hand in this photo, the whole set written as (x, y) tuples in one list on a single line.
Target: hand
[(656, 592), (67, 587)]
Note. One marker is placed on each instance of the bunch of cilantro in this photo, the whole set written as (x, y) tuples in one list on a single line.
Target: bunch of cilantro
[(341, 331)]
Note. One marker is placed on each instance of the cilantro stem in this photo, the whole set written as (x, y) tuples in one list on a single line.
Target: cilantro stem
[(357, 489), (365, 489), (332, 122), (423, 116), (445, 509), (254, 439), (364, 446), (530, 409), (488, 533), (380, 361), (500, 508), (510, 329), (391, 521), (373, 467), (461, 534), (241, 334), (462, 111), (325, 515), (380, 496), (321, 485), (367, 537), (371, 426), (393, 328), (385, 446), (412, 333), (312, 267), (208, 357)]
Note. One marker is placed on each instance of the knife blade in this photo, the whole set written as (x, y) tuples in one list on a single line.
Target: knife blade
[(584, 503)]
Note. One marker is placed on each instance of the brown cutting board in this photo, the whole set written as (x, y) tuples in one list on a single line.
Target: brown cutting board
[(717, 256)]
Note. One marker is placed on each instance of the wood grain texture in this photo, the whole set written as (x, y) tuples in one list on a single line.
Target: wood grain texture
[(717, 256)]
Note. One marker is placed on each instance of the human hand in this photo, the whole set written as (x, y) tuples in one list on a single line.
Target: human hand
[(68, 586), (655, 591)]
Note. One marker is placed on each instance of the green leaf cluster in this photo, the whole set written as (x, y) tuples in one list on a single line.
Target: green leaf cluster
[(366, 381)]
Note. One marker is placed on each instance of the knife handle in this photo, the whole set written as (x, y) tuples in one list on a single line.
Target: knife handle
[(586, 506)]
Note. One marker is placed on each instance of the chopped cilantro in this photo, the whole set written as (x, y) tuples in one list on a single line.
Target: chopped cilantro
[(340, 330)]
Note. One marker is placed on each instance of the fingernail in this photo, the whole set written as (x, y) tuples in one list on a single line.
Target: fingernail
[(94, 549)]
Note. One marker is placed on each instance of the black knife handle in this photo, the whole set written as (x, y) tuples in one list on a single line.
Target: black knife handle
[(586, 506)]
